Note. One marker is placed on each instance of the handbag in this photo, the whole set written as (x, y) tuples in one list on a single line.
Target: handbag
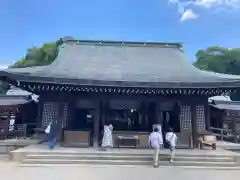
[(48, 129), (169, 141)]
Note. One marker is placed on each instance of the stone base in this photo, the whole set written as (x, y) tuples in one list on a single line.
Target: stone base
[(9, 145), (41, 154)]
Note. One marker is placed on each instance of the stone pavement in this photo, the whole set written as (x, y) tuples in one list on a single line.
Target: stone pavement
[(11, 171)]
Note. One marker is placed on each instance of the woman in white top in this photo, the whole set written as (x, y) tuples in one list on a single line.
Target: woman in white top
[(171, 139), (107, 140)]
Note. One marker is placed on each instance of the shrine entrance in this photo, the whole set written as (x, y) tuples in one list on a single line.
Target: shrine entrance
[(168, 117), (127, 115), (130, 118), (80, 128)]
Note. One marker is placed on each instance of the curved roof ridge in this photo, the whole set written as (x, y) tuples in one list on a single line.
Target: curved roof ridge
[(123, 43)]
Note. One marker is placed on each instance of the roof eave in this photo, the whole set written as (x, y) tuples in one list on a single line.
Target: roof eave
[(20, 77)]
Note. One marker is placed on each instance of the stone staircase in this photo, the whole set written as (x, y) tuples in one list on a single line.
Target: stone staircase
[(127, 159)]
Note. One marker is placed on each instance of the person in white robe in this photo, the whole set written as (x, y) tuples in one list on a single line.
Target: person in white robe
[(107, 140)]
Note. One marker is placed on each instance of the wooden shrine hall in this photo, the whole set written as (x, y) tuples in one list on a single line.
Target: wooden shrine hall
[(17, 115), (131, 85), (226, 115)]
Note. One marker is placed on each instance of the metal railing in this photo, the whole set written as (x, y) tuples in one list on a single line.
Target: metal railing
[(224, 134)]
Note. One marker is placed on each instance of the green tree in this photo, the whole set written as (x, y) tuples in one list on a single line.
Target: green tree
[(39, 56), (220, 60), (35, 56)]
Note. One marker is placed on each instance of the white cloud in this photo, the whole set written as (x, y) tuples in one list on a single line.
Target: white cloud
[(189, 14), (180, 5), (185, 5), (217, 3), (207, 3)]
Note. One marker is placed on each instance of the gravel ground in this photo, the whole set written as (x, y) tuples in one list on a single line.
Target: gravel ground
[(11, 171)]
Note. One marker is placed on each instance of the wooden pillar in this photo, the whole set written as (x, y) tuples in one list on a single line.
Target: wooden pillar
[(155, 113), (60, 119), (96, 124), (158, 114), (194, 126), (8, 120), (160, 117), (146, 112), (152, 113), (104, 106), (71, 113), (40, 104), (207, 116), (234, 131), (103, 113)]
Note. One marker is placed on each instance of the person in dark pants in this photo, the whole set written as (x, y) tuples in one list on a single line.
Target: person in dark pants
[(52, 136)]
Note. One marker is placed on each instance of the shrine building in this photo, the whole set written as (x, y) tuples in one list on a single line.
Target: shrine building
[(131, 85)]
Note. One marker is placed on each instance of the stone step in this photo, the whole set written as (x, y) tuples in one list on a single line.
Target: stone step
[(115, 153), (125, 158), (127, 166), (123, 162)]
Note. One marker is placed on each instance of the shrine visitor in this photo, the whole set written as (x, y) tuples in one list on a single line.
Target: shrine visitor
[(171, 139), (155, 142), (107, 140), (52, 132)]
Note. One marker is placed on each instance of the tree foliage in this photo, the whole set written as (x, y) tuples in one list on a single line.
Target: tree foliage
[(220, 60), (35, 56), (39, 56)]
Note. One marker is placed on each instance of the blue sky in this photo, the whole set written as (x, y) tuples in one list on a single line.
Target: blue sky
[(197, 23)]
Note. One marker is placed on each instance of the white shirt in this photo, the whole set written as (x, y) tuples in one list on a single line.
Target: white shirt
[(172, 138), (155, 140)]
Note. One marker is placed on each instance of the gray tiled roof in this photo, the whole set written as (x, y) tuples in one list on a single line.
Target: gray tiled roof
[(115, 63), (25, 70), (14, 100), (14, 91), (226, 105)]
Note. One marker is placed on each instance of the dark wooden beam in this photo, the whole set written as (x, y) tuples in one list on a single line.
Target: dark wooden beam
[(235, 138), (96, 125), (37, 88), (194, 125), (207, 116), (40, 113), (60, 120)]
